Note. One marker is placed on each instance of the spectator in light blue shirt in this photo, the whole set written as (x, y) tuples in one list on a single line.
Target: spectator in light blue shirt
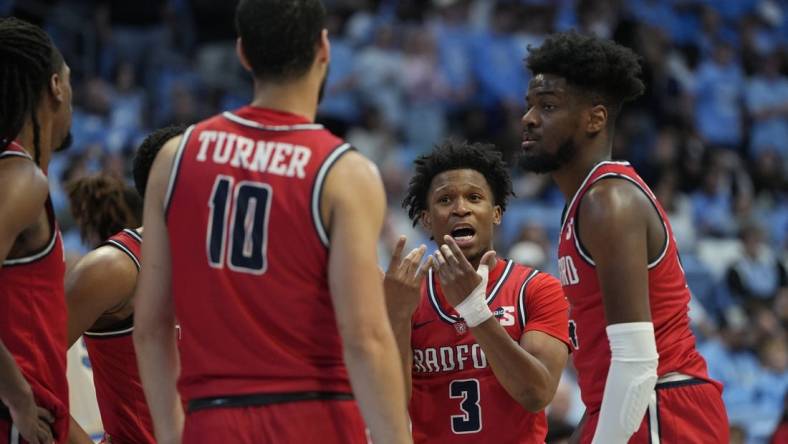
[(718, 99), (767, 106)]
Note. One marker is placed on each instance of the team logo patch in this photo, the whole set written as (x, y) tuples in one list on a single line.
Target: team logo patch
[(461, 327)]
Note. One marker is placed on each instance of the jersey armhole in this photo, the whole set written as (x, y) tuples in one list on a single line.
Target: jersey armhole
[(576, 232), (522, 313), (317, 190), (176, 165)]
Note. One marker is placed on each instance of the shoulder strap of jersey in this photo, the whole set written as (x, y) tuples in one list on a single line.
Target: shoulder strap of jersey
[(129, 242), (522, 313), (176, 164), (317, 189), (590, 178), (14, 149), (628, 174)]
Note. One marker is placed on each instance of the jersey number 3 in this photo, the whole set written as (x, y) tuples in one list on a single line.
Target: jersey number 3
[(471, 419), (247, 231)]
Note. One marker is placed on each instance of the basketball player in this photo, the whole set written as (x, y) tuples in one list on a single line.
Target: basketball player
[(260, 235), (100, 290), (35, 105), (641, 378), (482, 376)]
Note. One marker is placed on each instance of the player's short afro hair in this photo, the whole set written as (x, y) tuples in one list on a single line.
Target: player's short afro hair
[(146, 154), (595, 65), (457, 155)]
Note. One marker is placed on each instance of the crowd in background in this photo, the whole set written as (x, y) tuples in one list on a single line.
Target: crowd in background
[(710, 136)]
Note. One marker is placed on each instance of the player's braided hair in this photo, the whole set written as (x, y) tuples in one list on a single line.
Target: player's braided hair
[(103, 205), (146, 154), (29, 59), (457, 155), (607, 71)]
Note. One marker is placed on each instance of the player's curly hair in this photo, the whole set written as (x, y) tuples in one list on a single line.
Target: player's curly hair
[(29, 60), (102, 205), (607, 71), (457, 155), (146, 154)]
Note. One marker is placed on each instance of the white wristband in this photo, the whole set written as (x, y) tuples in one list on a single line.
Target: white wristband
[(474, 309)]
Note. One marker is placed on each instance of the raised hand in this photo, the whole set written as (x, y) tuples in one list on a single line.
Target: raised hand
[(457, 276), (402, 282)]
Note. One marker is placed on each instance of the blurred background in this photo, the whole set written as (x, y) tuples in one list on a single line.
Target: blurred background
[(710, 135)]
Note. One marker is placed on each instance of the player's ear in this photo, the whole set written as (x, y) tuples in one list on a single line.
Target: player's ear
[(497, 214), (57, 87), (597, 119), (239, 49), (324, 48), (426, 220)]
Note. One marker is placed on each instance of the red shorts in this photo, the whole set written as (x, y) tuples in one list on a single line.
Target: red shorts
[(685, 412), (324, 422)]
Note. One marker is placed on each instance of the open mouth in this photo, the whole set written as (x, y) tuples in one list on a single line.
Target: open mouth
[(463, 236)]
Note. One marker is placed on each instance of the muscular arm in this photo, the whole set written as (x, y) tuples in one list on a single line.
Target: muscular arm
[(154, 313), (102, 280), (23, 192), (354, 205), (613, 228), (614, 221), (529, 370)]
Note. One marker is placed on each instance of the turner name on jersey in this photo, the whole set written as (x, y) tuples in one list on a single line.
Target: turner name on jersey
[(279, 158)]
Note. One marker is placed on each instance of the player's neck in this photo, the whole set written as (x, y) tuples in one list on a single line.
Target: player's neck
[(296, 97), (27, 140), (571, 175)]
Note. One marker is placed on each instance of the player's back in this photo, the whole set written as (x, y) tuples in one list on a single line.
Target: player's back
[(668, 296), (249, 256)]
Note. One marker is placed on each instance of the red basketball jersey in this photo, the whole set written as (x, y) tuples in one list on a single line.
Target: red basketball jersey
[(668, 297), (121, 401), (249, 256), (33, 318), (456, 397)]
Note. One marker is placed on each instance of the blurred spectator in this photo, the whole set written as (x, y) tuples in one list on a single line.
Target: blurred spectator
[(767, 105), (378, 69), (759, 275), (425, 89), (217, 62), (133, 32), (718, 98), (679, 209), (339, 108)]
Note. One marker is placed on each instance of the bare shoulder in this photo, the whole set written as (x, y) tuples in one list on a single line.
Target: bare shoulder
[(22, 182), (354, 167), (612, 203), (105, 265), (353, 176)]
